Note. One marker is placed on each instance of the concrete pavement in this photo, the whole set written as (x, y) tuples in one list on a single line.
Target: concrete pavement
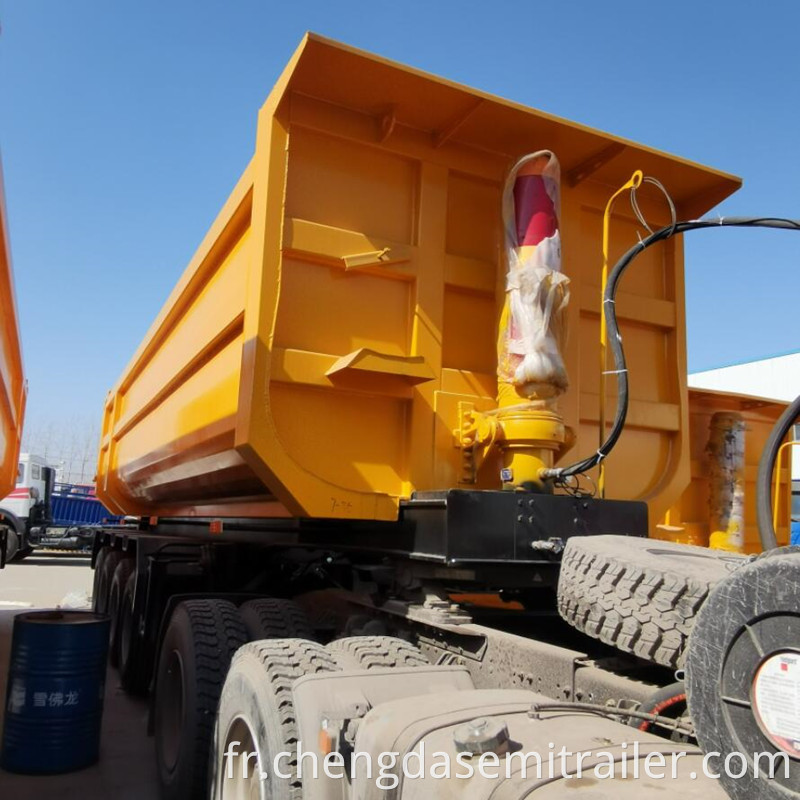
[(126, 770)]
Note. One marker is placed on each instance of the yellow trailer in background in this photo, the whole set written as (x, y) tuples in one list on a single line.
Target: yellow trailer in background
[(319, 353), (690, 520), (12, 377)]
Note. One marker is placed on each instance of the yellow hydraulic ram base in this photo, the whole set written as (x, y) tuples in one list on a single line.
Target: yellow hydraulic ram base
[(528, 434)]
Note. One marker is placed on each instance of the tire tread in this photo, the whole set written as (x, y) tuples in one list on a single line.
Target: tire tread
[(217, 632), (284, 661), (637, 601), (275, 618), (377, 652)]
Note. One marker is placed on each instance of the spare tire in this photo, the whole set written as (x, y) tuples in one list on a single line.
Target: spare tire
[(639, 595)]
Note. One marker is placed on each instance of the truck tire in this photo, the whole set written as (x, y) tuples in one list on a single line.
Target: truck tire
[(639, 595), (102, 555), (256, 710), (376, 652), (273, 618), (121, 574), (197, 648), (741, 677), (17, 546), (12, 545), (23, 553), (133, 674), (104, 573)]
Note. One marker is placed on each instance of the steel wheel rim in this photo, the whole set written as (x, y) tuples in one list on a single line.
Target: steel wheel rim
[(240, 778)]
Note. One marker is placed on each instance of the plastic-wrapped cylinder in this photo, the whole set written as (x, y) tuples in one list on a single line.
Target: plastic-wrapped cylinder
[(54, 696), (533, 322)]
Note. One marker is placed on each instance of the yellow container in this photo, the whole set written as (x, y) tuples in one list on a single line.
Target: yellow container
[(689, 520), (12, 380), (341, 315)]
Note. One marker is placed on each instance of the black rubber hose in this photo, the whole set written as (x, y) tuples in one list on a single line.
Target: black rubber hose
[(766, 466), (615, 338)]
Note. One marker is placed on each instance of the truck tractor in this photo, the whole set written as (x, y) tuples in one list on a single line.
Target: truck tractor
[(26, 509)]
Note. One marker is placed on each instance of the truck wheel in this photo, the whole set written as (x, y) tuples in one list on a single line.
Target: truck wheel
[(639, 595), (132, 673), (256, 715), (121, 574), (376, 652), (272, 618), (12, 545), (23, 553), (98, 568), (742, 672), (103, 574), (742, 675), (199, 642)]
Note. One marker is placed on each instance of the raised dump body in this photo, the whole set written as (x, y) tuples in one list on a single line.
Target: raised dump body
[(690, 520), (318, 352), (12, 379)]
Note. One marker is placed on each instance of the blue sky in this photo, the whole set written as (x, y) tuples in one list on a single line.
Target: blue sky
[(124, 125)]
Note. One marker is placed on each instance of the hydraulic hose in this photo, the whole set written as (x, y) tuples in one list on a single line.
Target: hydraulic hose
[(766, 466), (559, 474), (658, 702)]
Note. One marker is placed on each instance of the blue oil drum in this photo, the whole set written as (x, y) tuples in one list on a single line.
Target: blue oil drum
[(54, 697)]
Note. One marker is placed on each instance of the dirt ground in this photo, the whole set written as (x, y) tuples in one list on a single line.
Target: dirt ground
[(126, 770)]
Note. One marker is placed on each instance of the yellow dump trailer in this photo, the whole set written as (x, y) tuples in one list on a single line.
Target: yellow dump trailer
[(690, 519), (376, 389), (318, 355), (12, 380)]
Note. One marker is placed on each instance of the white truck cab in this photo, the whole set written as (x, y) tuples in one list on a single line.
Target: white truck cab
[(19, 508)]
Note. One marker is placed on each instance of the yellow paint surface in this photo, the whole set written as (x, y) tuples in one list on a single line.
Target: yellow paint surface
[(313, 358)]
